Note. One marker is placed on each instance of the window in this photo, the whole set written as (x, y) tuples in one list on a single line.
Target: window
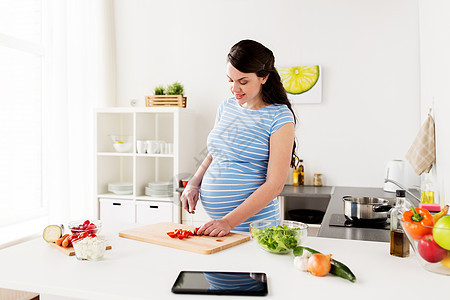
[(21, 89)]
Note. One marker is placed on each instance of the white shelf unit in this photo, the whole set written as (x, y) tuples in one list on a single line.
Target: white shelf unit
[(168, 124)]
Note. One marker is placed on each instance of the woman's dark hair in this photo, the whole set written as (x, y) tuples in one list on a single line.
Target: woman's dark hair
[(249, 56)]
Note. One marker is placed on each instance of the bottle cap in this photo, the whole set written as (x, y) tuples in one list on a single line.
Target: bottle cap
[(400, 193)]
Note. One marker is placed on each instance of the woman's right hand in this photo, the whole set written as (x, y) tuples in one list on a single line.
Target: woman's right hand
[(189, 198)]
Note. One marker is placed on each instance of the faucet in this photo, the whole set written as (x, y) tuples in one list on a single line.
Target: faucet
[(402, 187)]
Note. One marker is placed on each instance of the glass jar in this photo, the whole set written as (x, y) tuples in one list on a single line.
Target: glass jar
[(317, 179)]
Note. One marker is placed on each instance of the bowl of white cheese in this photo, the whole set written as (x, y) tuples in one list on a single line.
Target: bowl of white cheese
[(89, 248)]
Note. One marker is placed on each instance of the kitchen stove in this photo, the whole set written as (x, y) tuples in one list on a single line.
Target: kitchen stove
[(339, 220)]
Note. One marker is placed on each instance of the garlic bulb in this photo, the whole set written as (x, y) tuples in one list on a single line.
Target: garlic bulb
[(301, 262)]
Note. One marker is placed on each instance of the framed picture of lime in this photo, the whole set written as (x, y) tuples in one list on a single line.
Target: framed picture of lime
[(303, 84)]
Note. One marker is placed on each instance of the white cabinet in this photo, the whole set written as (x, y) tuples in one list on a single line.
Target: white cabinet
[(168, 125), (150, 212), (116, 210)]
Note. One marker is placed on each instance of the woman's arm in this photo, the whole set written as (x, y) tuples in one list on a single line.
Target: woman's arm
[(280, 154), (189, 197)]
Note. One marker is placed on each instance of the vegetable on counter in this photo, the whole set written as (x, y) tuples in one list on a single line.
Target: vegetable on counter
[(277, 239), (319, 264), (61, 239), (440, 214), (416, 221), (182, 233), (52, 233), (301, 262), (337, 268)]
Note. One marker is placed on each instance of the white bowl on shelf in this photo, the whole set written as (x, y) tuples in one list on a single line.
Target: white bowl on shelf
[(125, 147), (122, 143)]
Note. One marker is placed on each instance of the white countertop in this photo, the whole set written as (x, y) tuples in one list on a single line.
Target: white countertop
[(138, 270)]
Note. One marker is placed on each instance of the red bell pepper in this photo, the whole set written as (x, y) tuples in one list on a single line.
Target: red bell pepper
[(180, 233), (171, 234), (417, 222)]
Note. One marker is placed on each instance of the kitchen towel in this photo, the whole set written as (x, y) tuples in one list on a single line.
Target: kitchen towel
[(422, 153)]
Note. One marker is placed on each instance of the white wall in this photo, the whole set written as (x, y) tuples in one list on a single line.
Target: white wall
[(435, 78), (369, 52)]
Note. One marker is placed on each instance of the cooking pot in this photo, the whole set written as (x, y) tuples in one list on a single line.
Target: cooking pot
[(366, 208)]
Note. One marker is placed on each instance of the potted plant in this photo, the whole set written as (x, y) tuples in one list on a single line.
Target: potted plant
[(170, 96), (160, 90), (175, 88)]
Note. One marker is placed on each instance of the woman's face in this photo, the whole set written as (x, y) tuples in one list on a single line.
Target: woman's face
[(246, 87)]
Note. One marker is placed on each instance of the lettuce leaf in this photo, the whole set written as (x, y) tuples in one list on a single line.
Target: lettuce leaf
[(279, 238)]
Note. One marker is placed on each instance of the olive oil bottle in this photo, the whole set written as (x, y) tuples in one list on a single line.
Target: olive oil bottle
[(298, 175), (399, 240)]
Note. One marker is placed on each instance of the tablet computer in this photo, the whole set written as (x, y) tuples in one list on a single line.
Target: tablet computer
[(221, 283)]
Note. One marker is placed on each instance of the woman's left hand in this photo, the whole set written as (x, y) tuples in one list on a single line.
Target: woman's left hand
[(218, 227)]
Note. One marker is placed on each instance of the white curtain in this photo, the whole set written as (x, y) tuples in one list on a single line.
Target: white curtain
[(81, 73)]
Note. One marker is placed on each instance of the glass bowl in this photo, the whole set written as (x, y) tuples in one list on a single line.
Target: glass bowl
[(122, 143), (277, 236), (89, 248), (425, 242), (80, 226)]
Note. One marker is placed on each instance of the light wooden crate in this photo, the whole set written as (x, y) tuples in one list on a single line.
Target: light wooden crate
[(165, 100)]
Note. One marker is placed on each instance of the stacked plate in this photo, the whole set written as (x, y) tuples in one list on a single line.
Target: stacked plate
[(121, 188), (159, 189)]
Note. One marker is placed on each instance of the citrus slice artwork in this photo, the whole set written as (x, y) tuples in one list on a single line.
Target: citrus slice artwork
[(303, 84)]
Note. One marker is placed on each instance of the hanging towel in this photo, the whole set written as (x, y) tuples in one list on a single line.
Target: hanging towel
[(422, 153)]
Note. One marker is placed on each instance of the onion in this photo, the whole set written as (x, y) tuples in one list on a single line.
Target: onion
[(52, 233), (319, 264)]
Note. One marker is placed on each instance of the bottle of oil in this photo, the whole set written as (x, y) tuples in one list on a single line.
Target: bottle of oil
[(301, 180), (427, 190), (399, 240), (298, 175)]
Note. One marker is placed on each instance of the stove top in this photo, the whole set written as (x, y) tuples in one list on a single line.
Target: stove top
[(339, 220)]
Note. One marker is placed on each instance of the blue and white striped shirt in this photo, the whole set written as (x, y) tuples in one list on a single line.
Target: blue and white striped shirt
[(239, 145)]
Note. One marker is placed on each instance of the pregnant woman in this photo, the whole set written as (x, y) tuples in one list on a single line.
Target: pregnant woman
[(251, 146)]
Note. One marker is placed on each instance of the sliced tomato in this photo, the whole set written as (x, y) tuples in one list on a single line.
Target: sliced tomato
[(171, 234)]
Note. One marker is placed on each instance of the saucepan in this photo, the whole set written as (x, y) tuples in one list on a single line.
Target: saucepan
[(366, 208)]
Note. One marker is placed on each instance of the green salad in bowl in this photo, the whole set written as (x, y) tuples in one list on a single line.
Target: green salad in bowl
[(278, 236)]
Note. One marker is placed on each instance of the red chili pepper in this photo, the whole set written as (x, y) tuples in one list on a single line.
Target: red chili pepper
[(417, 222)]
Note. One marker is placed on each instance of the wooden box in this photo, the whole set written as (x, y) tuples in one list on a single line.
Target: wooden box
[(165, 100)]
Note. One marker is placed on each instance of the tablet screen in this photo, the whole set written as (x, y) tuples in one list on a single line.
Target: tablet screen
[(221, 283)]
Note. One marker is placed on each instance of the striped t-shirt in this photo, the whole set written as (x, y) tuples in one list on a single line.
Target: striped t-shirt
[(239, 145)]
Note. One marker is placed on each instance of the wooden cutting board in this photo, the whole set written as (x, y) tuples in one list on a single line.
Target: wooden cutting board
[(69, 250), (157, 234)]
